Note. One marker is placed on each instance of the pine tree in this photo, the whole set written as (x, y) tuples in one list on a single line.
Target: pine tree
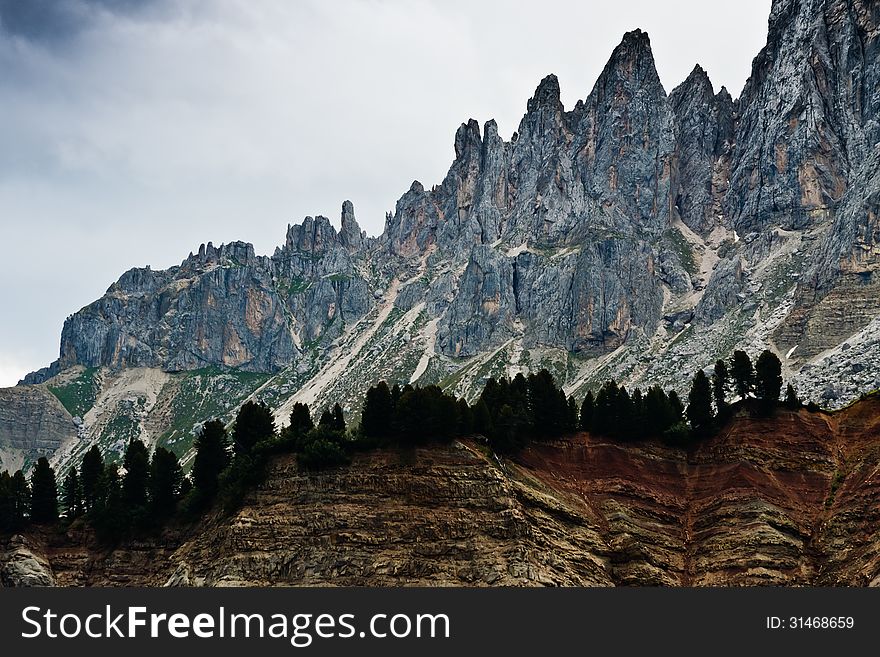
[(111, 516), (768, 379), (10, 519), (378, 411), (44, 493), (587, 406), (660, 414), (211, 458), (338, 418), (743, 374), (636, 423), (622, 428), (465, 418), (720, 382), (792, 401), (396, 392), (91, 471), (677, 407), (137, 475), (166, 477), (326, 421), (699, 410), (493, 397), (300, 421), (573, 418), (21, 497), (605, 411), (253, 424), (482, 419), (509, 428), (446, 409), (72, 495)]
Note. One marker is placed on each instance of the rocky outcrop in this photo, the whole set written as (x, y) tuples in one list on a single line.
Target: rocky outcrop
[(32, 424), (808, 115), (225, 306), (791, 500), (20, 567), (704, 123)]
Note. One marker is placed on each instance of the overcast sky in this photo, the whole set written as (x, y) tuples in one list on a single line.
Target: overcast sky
[(131, 131)]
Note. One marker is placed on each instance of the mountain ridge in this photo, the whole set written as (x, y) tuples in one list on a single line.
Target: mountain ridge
[(633, 237)]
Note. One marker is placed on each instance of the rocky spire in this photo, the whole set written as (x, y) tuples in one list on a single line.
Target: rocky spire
[(630, 67), (808, 113), (350, 234), (546, 96)]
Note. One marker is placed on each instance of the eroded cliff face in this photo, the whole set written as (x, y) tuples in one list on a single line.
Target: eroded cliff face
[(791, 500), (226, 306), (32, 424)]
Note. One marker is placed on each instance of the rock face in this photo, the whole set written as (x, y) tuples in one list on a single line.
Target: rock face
[(226, 306), (786, 501), (635, 235), (32, 424), (20, 567)]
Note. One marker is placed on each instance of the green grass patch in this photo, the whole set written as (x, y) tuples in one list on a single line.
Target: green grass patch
[(78, 396), (683, 250)]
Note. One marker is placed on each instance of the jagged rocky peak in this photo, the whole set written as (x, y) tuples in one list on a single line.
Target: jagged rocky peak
[(547, 95), (350, 235), (697, 87), (624, 139), (630, 68), (809, 112), (467, 140), (238, 253), (704, 127), (313, 235)]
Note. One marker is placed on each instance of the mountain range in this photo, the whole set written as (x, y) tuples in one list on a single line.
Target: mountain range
[(638, 235)]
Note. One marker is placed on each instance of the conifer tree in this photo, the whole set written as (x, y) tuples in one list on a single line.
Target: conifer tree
[(768, 379), (338, 418), (166, 477), (396, 392), (211, 457), (720, 382), (586, 416), (622, 428), (12, 512), (254, 423), (326, 421), (91, 471), (792, 401), (72, 495), (300, 421), (659, 412), (482, 419), (21, 497), (111, 516), (465, 418), (137, 475), (636, 423), (573, 419), (605, 412), (743, 374), (378, 411), (677, 407), (44, 493), (699, 410)]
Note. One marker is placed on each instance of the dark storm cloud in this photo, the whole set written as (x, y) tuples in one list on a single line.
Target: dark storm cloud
[(57, 21)]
